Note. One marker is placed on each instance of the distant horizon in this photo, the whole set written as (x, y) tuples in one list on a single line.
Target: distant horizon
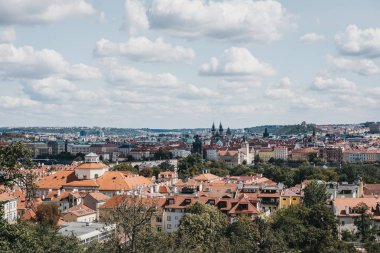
[(182, 128), (171, 64)]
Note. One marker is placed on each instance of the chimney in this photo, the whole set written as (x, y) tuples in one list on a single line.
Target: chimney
[(347, 209)]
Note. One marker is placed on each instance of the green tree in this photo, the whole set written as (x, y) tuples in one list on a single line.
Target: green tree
[(244, 235), (190, 166), (132, 217), (202, 229), (307, 229), (32, 238), (125, 167), (48, 214), (163, 154), (315, 194), (165, 166), (364, 223), (13, 157)]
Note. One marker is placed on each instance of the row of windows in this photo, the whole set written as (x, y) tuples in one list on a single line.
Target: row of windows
[(169, 226), (10, 205), (169, 218)]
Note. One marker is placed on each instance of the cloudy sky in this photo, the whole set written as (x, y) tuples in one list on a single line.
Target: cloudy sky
[(187, 63)]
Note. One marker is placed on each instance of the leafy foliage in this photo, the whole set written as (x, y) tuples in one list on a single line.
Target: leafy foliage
[(315, 194), (48, 214)]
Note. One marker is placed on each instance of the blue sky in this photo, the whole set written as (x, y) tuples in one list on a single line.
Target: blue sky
[(187, 63)]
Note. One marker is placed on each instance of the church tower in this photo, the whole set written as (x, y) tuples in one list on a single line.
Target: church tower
[(220, 129), (213, 130)]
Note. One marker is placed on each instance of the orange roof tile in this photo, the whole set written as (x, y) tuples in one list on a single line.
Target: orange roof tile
[(99, 196), (206, 177), (89, 166), (80, 210), (56, 180)]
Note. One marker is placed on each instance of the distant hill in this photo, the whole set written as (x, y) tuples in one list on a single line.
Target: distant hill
[(283, 129)]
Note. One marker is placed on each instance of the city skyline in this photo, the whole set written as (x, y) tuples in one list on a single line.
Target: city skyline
[(173, 64)]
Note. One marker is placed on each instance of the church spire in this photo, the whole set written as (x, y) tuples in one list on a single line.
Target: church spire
[(228, 132), (220, 128), (213, 128)]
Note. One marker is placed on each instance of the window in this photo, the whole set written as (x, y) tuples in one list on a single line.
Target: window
[(342, 223), (176, 217), (169, 218), (84, 177), (96, 175), (169, 226), (294, 199), (284, 199), (158, 219)]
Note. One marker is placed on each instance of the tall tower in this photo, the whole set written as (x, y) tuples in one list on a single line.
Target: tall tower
[(220, 129), (213, 129)]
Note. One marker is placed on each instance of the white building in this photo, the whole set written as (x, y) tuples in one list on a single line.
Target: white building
[(87, 232), (181, 153), (8, 202), (281, 152), (91, 168), (344, 210), (211, 154), (246, 154), (79, 148)]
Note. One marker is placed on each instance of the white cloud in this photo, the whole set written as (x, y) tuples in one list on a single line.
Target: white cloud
[(294, 98), (49, 89), (133, 78), (337, 84), (41, 11), (280, 93), (135, 17), (7, 35), (143, 49), (8, 102), (26, 62), (312, 37), (194, 92), (355, 41), (236, 62), (286, 82), (102, 18), (362, 67), (237, 20), (61, 92), (82, 72)]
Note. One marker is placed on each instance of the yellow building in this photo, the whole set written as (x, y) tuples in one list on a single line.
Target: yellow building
[(265, 154), (290, 197), (303, 154)]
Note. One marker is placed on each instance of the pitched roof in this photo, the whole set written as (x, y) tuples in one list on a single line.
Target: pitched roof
[(99, 196), (6, 196), (115, 180), (244, 206), (89, 166), (341, 203), (206, 177), (117, 200), (80, 210), (56, 180), (371, 189), (83, 183)]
